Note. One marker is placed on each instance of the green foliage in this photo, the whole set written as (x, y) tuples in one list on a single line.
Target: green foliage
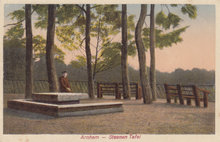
[(163, 35), (39, 47), (194, 76), (190, 10), (111, 14), (79, 62), (163, 39), (132, 48), (14, 59), (69, 37), (173, 5), (16, 32), (161, 18), (166, 40), (173, 20), (59, 54), (18, 15), (70, 29), (42, 16), (109, 57), (167, 21), (66, 13), (105, 25)]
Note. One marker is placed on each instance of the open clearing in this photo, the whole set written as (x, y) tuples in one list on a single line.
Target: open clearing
[(157, 118)]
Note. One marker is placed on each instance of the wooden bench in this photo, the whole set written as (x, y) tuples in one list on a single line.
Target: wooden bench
[(117, 90), (187, 92)]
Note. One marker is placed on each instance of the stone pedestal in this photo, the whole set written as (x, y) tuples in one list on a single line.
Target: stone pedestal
[(63, 104), (59, 98)]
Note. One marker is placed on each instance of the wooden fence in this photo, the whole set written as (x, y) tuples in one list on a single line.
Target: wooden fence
[(18, 87)]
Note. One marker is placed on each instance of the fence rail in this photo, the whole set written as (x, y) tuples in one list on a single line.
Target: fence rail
[(18, 87)]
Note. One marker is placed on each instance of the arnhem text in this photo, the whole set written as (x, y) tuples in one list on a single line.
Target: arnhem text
[(131, 136)]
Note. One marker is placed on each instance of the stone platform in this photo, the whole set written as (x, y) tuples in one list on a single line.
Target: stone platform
[(59, 98), (63, 104), (65, 110)]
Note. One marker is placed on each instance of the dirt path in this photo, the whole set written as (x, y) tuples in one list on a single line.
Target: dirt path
[(157, 118)]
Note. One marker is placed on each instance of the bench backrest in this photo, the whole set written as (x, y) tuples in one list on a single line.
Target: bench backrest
[(116, 89), (186, 91)]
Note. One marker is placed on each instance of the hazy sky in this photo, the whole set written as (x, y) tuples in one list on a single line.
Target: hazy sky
[(197, 50)]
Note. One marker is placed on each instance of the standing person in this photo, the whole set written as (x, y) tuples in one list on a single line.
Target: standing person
[(64, 83)]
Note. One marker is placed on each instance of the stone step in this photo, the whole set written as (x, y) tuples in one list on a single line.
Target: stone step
[(56, 97), (65, 110), (60, 102)]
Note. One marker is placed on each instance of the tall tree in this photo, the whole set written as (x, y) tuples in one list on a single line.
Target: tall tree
[(124, 54), (152, 54), (146, 89), (29, 54), (88, 53), (51, 70), (164, 39), (105, 25)]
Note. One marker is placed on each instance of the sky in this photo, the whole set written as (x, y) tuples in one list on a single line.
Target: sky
[(197, 50)]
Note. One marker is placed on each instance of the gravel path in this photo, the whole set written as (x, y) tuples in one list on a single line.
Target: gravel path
[(157, 118)]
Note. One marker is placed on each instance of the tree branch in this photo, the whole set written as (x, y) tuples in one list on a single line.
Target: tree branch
[(82, 41), (82, 8), (95, 6), (167, 8), (14, 23), (18, 21)]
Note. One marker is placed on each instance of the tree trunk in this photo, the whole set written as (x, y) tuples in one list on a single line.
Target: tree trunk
[(96, 50), (124, 68), (88, 53), (51, 70), (29, 53), (146, 89), (152, 54)]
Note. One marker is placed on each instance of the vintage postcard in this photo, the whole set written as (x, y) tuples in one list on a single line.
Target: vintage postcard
[(109, 70)]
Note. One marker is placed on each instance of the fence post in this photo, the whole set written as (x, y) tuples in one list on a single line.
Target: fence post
[(117, 95), (98, 91), (180, 94), (138, 91), (197, 98)]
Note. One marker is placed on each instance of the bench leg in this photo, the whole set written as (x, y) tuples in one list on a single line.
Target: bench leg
[(188, 101), (196, 94), (197, 101), (168, 99), (175, 99), (205, 100), (118, 96), (180, 94), (181, 100)]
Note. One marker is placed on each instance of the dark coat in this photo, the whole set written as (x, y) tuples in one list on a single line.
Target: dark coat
[(64, 84)]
